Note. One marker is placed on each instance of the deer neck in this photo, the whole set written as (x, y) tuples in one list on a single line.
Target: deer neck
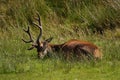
[(56, 47)]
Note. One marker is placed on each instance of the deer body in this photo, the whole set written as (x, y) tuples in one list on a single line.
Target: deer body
[(70, 48), (77, 48)]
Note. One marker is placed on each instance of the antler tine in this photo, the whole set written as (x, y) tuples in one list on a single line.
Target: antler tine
[(38, 19), (26, 41), (39, 26), (28, 32), (30, 48)]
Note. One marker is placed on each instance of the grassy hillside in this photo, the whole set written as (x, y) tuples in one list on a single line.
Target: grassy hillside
[(64, 20), (100, 14)]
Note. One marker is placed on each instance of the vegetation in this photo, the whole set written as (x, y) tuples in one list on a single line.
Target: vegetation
[(97, 21)]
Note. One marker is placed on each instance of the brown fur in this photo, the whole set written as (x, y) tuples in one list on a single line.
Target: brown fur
[(77, 48)]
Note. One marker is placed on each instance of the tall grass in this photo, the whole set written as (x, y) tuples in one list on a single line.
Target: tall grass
[(16, 61), (91, 14)]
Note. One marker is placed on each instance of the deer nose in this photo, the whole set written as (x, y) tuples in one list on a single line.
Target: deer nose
[(41, 55)]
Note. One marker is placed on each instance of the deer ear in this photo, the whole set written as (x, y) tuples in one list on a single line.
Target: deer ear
[(49, 39)]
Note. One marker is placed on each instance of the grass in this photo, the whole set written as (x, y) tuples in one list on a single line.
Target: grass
[(18, 63), (63, 21), (77, 71)]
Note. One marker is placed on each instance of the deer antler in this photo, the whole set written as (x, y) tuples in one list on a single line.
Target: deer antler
[(28, 32), (31, 39), (40, 27), (34, 44)]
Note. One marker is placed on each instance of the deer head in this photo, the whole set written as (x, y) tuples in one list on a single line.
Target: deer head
[(41, 46)]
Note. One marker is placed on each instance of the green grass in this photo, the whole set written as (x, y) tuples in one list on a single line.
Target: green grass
[(18, 63), (63, 20), (69, 71)]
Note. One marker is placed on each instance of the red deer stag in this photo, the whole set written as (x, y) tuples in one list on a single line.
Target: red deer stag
[(76, 47)]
